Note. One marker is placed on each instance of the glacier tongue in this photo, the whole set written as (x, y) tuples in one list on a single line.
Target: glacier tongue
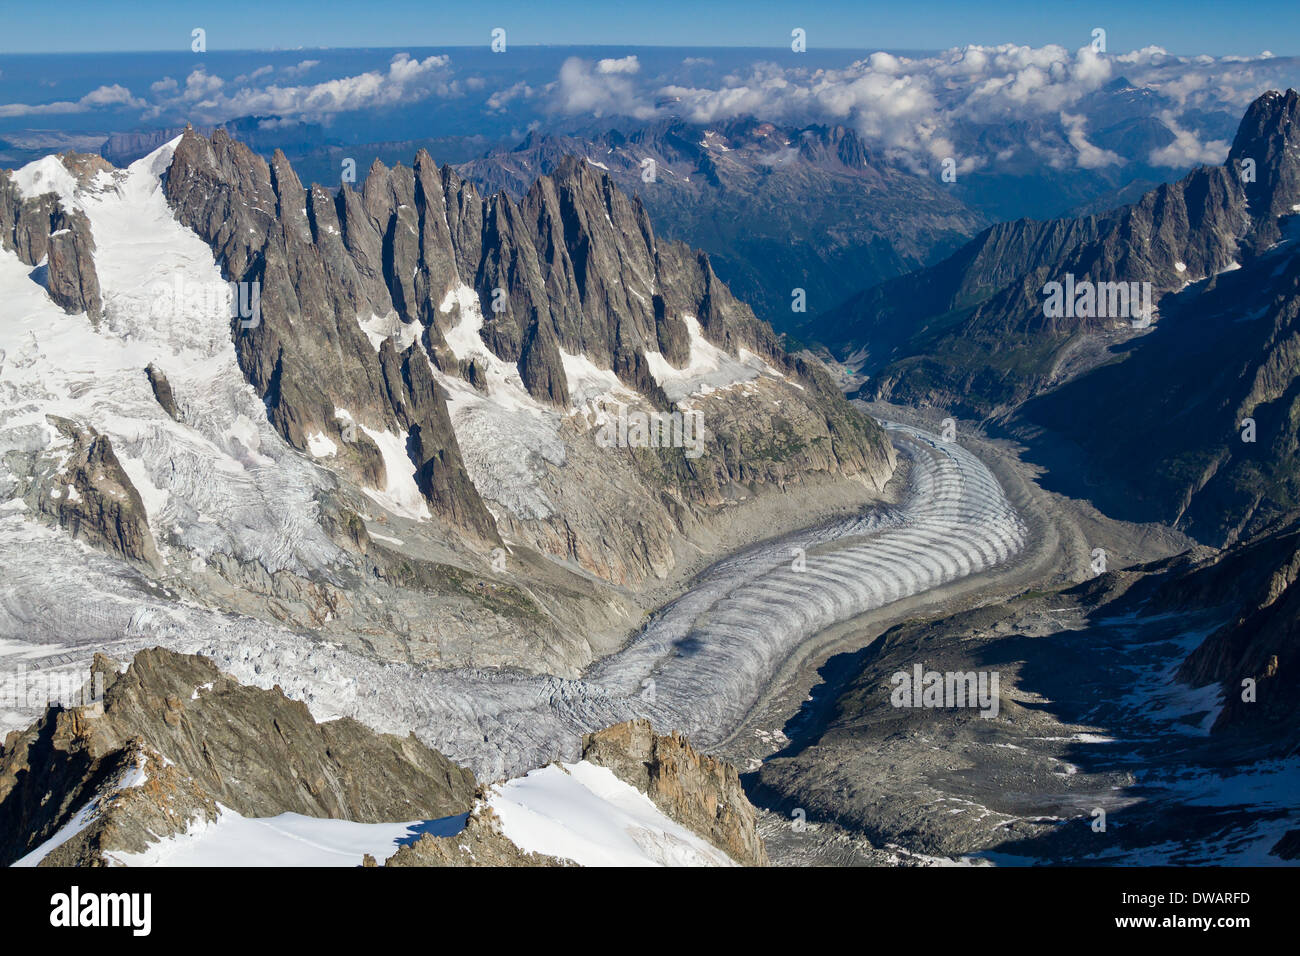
[(709, 654)]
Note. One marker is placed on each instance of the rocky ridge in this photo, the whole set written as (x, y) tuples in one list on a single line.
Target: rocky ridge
[(202, 739), (970, 333), (414, 302), (700, 792), (51, 238), (166, 748)]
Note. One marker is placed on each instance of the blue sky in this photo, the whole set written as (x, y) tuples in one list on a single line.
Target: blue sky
[(1180, 26)]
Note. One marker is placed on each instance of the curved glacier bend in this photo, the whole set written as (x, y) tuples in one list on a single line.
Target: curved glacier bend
[(703, 661), (698, 666)]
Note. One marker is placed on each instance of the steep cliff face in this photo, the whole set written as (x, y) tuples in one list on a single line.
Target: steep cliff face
[(1267, 139), (497, 339), (312, 273), (44, 234), (91, 495), (1255, 656)]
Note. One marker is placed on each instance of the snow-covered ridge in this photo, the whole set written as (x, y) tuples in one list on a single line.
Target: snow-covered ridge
[(582, 812), (221, 479)]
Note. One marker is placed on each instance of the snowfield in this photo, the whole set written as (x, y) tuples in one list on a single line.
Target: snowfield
[(223, 480), (579, 812), (584, 813)]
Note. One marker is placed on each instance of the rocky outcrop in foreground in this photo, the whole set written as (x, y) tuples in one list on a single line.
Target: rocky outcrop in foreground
[(481, 843), (700, 792), (197, 738), (166, 754)]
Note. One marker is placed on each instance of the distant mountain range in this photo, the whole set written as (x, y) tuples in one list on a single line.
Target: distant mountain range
[(973, 335), (778, 208)]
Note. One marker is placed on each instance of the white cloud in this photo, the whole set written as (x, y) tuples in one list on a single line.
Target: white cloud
[(115, 95), (499, 100), (627, 64), (303, 67), (199, 84), (920, 109), (1089, 156), (582, 89), (406, 80), (1187, 149)]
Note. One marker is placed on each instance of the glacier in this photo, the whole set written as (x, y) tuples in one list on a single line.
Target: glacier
[(221, 480)]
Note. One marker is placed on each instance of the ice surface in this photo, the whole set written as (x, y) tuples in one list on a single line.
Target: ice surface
[(584, 813), (709, 654), (289, 839)]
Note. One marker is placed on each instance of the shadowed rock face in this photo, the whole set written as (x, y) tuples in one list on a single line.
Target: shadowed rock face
[(306, 355), (1260, 643), (93, 497), (700, 792), (1226, 350), (203, 739), (1267, 135), (37, 228)]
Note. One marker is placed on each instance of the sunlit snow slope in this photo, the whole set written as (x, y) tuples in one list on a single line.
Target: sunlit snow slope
[(578, 812)]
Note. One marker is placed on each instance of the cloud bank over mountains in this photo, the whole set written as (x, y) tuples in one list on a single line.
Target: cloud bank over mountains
[(916, 110), (913, 109)]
